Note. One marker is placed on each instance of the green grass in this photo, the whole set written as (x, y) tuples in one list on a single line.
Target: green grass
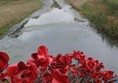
[(3, 31), (113, 7), (103, 14)]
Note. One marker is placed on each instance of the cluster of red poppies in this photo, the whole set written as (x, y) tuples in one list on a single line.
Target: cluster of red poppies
[(45, 68)]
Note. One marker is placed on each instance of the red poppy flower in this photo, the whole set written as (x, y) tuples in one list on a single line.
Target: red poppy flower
[(91, 64), (96, 75), (62, 61), (3, 61), (74, 69), (59, 69), (80, 56), (41, 58), (59, 78), (21, 73), (107, 75), (3, 77), (47, 77), (66, 59)]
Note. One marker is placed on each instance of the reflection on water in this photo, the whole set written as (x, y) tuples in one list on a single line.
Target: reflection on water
[(55, 16), (59, 31)]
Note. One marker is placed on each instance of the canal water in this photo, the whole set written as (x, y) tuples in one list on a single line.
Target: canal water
[(62, 30)]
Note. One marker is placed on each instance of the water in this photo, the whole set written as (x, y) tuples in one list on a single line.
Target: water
[(62, 32)]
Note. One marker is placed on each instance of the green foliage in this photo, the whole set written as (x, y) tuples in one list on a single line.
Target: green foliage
[(3, 30), (112, 7), (103, 14)]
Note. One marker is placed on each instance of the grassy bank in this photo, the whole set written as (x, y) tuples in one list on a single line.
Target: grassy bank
[(76, 3), (13, 11), (103, 14)]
